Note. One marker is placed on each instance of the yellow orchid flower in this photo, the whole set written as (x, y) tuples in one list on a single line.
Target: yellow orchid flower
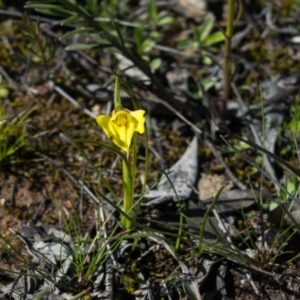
[(121, 125)]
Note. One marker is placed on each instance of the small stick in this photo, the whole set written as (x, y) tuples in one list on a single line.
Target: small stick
[(227, 50)]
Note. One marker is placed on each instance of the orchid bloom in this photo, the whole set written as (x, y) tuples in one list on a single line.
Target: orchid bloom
[(121, 125)]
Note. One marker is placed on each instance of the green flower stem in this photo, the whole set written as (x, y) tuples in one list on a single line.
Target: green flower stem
[(117, 98), (146, 160), (133, 169), (134, 157), (227, 59), (128, 193)]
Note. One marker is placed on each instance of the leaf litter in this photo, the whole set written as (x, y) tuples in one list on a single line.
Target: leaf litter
[(238, 260)]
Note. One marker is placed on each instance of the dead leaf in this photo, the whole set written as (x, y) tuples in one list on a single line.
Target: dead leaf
[(182, 176), (209, 185)]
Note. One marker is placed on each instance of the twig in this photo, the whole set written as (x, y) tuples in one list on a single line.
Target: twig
[(177, 113), (71, 99), (227, 51), (6, 76)]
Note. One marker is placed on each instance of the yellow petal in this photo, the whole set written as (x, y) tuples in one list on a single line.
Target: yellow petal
[(122, 137), (121, 125), (138, 120), (120, 117), (103, 121)]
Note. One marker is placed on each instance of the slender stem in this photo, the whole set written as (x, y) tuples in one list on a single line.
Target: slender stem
[(147, 160), (128, 194), (117, 98), (227, 59), (134, 155)]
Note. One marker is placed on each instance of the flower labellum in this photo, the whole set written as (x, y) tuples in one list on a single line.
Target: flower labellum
[(121, 125)]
